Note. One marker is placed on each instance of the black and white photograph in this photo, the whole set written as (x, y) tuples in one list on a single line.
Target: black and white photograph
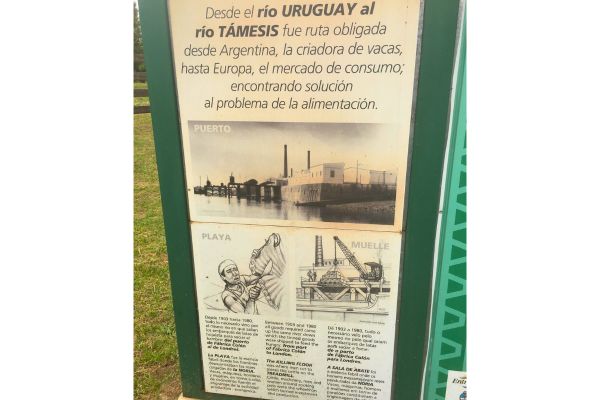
[(299, 174)]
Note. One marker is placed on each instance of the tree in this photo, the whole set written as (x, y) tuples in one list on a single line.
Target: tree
[(138, 45)]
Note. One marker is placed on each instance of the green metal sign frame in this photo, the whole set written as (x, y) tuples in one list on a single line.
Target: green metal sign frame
[(430, 122), (448, 347)]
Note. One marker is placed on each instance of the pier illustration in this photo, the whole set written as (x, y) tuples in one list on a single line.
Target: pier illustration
[(342, 285)]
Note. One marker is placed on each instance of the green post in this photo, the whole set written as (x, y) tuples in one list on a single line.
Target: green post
[(423, 193), (167, 138), (447, 349)]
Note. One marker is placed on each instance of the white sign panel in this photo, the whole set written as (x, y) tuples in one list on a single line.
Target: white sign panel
[(295, 121), (456, 388), (296, 313)]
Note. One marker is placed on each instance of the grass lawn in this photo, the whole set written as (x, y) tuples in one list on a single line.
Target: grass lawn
[(140, 101), (156, 369)]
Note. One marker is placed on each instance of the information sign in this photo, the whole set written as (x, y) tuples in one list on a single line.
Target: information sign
[(298, 111), (296, 115), (293, 159)]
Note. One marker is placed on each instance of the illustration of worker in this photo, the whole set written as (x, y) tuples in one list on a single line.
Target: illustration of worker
[(268, 263), (241, 291)]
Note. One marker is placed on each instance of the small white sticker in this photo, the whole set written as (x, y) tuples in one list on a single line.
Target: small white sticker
[(456, 388)]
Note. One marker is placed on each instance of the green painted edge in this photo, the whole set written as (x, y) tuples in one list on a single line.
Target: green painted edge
[(438, 41), (438, 364), (169, 158)]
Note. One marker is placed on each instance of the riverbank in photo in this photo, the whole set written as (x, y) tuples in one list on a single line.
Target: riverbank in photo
[(371, 212), (382, 212)]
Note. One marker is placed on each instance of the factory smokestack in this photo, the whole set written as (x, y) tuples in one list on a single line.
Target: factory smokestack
[(308, 161), (285, 175)]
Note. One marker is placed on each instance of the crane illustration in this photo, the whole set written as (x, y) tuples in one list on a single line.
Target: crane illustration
[(338, 287), (376, 272)]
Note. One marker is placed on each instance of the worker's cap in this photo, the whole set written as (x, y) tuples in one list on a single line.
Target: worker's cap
[(224, 264)]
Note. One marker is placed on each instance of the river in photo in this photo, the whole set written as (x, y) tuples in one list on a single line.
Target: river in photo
[(374, 212)]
